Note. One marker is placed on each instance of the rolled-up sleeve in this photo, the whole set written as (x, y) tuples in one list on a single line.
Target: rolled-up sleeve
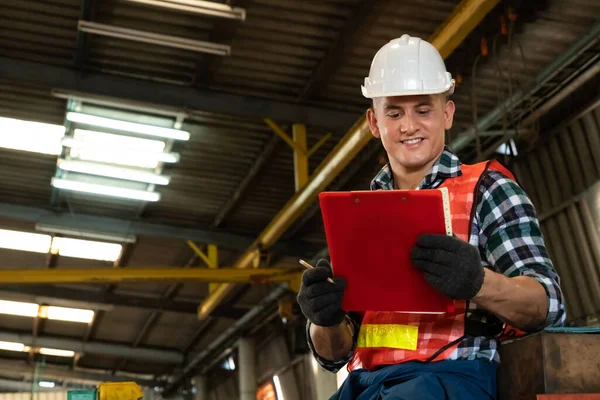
[(514, 245)]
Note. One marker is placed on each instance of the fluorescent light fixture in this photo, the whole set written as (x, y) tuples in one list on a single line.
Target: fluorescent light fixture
[(110, 171), (19, 308), (117, 149), (56, 352), (24, 241), (86, 248), (508, 148), (229, 364), (154, 38), (32, 310), (11, 346), (113, 237), (126, 126), (106, 141), (47, 384), (199, 7), (67, 314), (104, 190), (278, 389), (31, 136)]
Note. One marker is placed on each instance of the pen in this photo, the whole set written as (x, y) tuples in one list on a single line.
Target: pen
[(308, 266)]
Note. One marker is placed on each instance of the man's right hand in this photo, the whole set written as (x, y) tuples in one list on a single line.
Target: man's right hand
[(319, 299)]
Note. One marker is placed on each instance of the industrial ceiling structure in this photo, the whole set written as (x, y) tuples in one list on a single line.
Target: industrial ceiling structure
[(182, 139)]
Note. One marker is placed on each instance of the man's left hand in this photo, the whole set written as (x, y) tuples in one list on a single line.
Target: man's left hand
[(449, 264)]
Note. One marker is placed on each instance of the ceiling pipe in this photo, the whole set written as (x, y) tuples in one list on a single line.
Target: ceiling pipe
[(582, 44)]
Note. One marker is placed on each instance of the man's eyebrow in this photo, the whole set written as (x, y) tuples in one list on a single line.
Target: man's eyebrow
[(424, 103), (391, 107)]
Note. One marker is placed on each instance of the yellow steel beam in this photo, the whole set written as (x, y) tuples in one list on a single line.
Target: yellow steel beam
[(147, 275), (281, 133), (300, 155), (466, 16), (201, 254), (213, 257)]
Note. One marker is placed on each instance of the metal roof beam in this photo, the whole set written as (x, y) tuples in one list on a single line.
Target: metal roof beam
[(240, 191), (97, 299), (186, 98), (20, 369), (146, 275), (100, 348), (124, 227), (336, 55)]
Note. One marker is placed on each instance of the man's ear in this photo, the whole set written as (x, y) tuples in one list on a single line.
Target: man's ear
[(372, 119), (449, 109)]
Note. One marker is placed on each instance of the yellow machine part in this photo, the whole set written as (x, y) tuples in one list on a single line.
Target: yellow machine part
[(119, 391)]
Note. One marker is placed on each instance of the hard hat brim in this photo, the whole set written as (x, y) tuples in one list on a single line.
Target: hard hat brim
[(449, 90)]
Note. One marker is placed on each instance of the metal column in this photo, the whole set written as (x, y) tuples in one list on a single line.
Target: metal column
[(323, 383), (247, 371), (201, 391), (300, 157)]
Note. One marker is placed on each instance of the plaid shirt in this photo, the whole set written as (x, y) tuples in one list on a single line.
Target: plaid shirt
[(507, 233)]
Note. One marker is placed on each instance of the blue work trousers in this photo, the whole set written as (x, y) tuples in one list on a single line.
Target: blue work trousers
[(442, 380)]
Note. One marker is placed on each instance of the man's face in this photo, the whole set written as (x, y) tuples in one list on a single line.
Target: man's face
[(411, 128)]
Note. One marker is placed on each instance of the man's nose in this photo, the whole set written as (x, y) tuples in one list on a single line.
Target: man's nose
[(408, 125)]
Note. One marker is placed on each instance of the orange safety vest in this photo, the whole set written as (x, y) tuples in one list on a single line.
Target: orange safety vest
[(385, 337)]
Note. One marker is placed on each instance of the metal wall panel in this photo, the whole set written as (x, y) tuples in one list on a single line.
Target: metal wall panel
[(561, 176)]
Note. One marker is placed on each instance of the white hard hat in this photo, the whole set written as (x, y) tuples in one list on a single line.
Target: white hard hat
[(407, 66)]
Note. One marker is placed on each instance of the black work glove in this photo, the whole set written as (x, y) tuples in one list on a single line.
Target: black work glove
[(449, 264), (319, 299)]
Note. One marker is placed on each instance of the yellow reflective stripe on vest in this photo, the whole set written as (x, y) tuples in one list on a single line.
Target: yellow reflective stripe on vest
[(388, 335)]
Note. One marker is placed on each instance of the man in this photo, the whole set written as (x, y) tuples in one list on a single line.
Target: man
[(496, 267)]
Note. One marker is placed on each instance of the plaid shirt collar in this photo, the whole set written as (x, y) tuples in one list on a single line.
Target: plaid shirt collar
[(446, 166)]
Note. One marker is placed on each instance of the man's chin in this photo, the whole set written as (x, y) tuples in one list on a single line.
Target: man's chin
[(413, 162)]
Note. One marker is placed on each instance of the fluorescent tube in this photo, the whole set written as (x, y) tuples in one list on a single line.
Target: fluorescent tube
[(56, 352), (18, 308), (278, 388), (67, 314), (47, 384), (11, 346), (87, 249), (31, 136), (24, 241), (117, 149), (110, 171), (199, 7), (126, 126), (154, 38), (104, 190)]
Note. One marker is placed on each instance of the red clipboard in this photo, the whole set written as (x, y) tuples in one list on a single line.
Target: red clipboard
[(370, 235)]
